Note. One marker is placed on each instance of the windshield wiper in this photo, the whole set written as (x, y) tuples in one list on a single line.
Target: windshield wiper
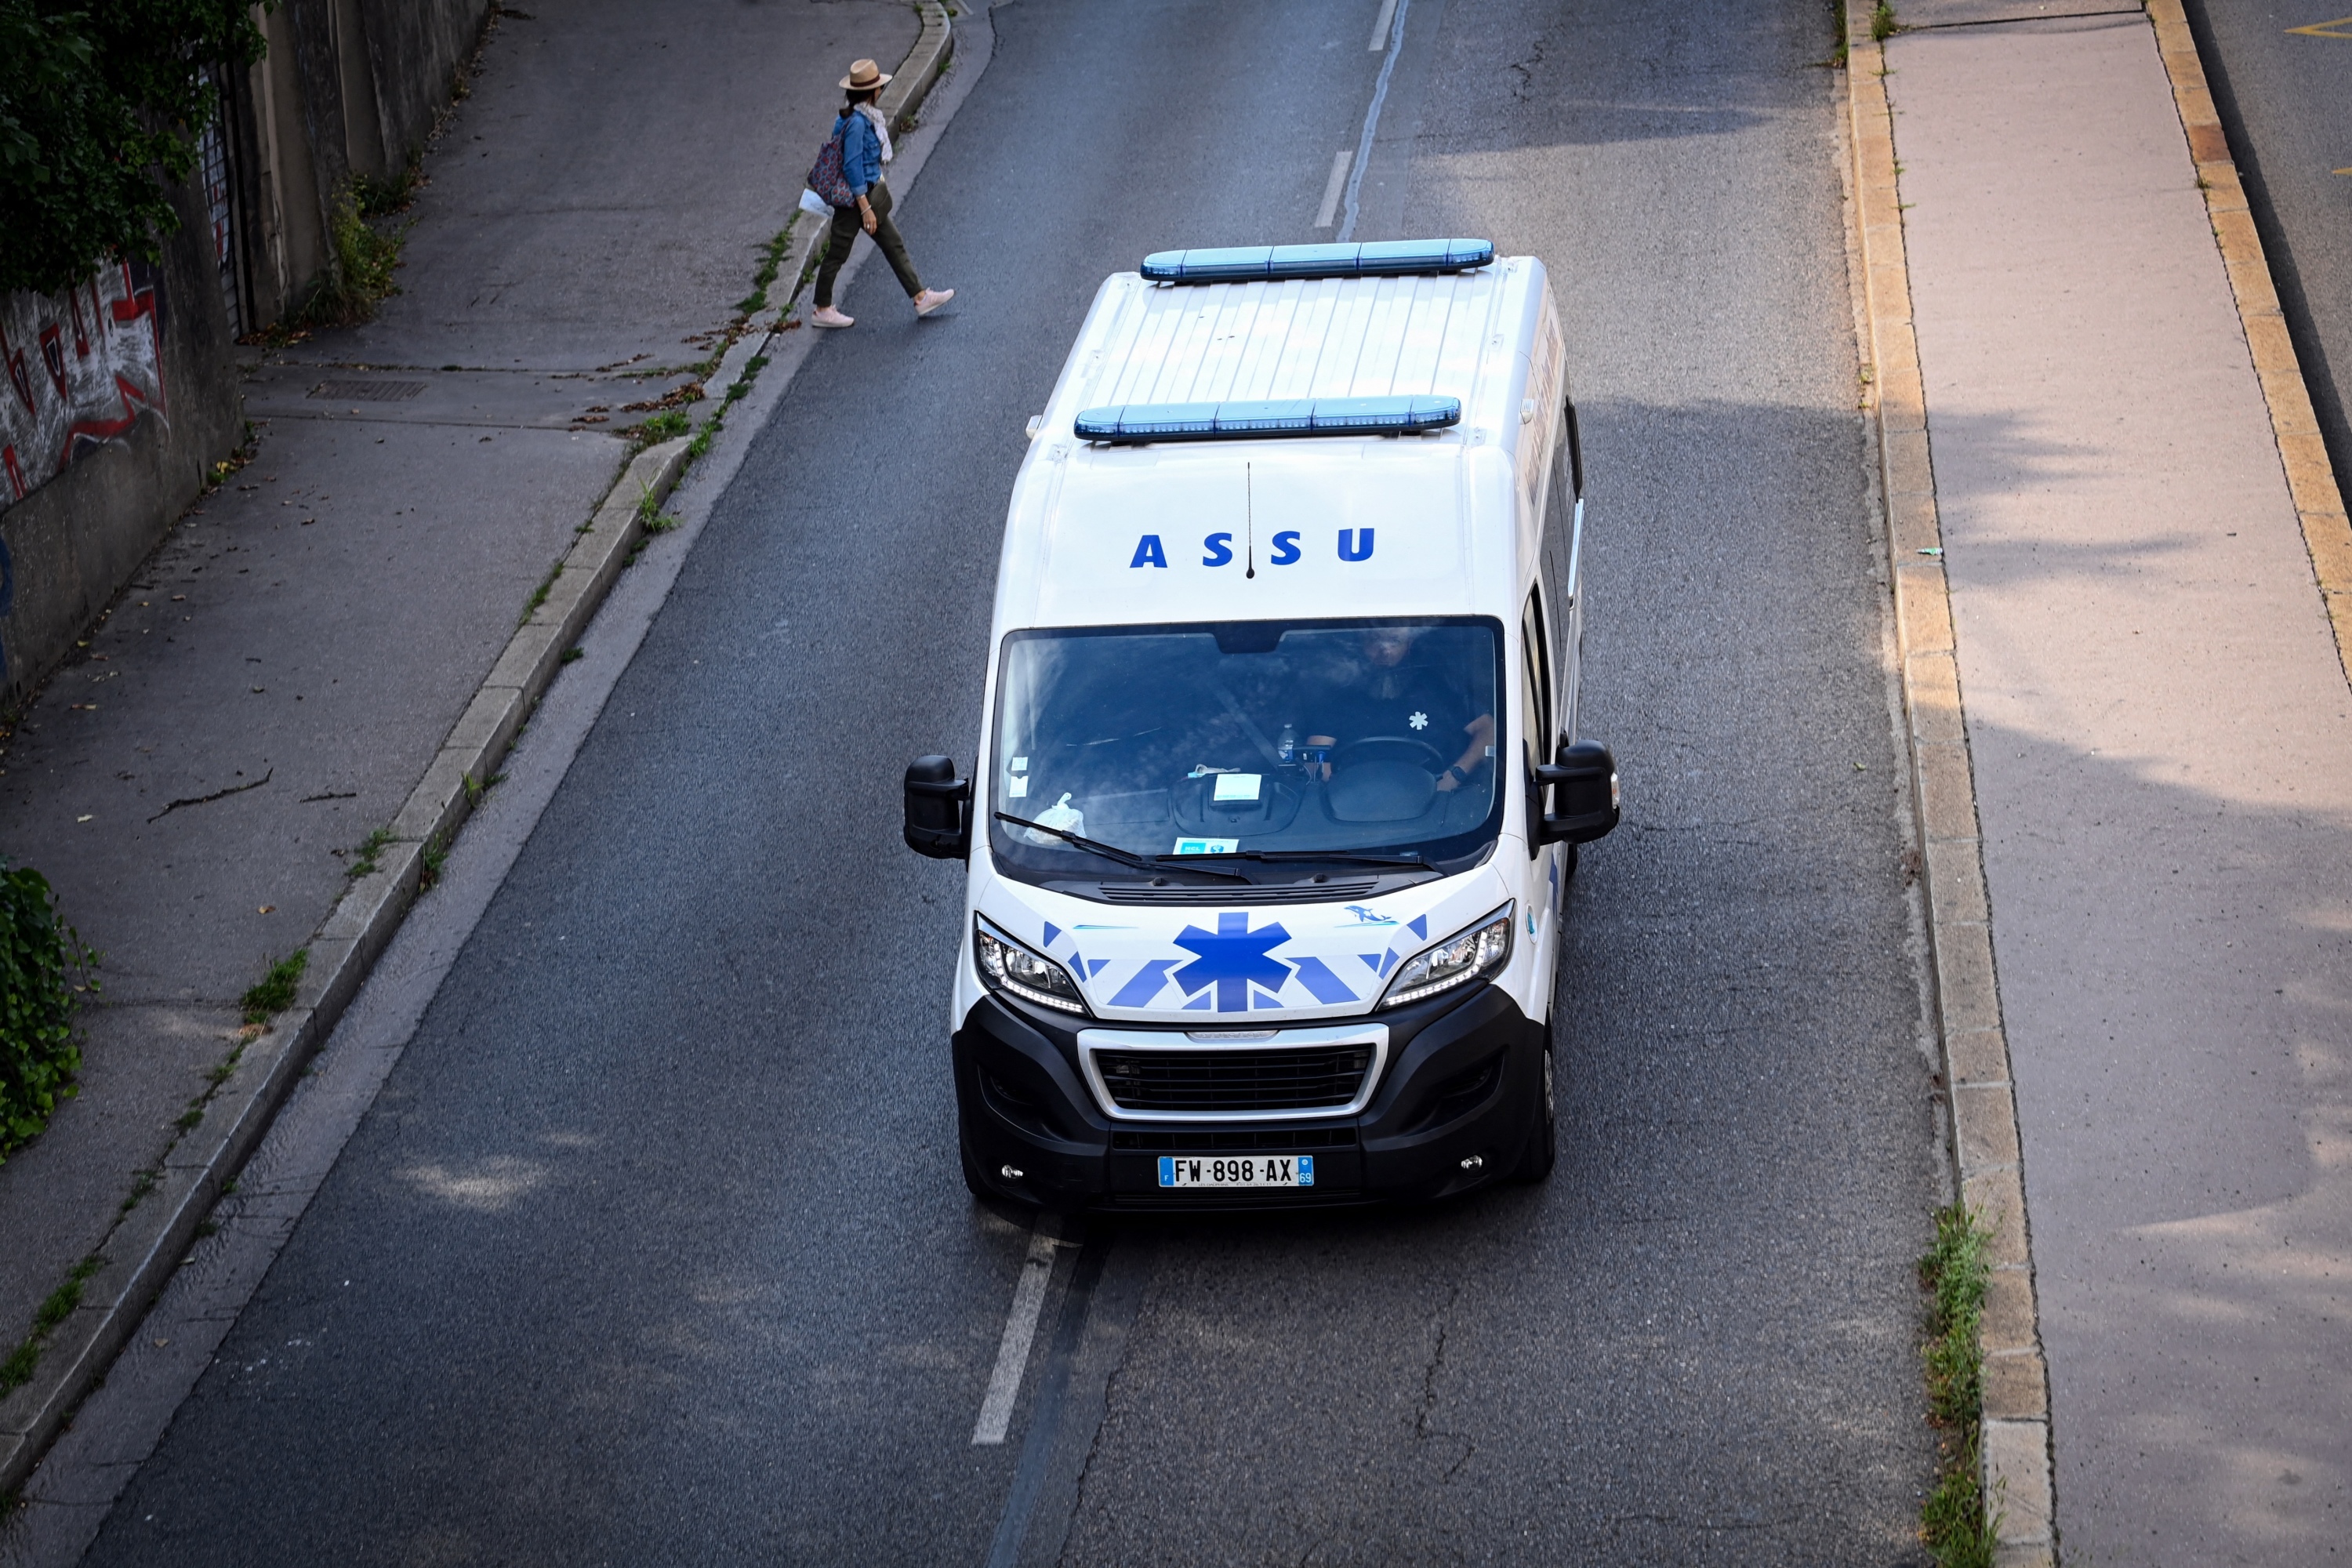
[(1349, 856), (1107, 851)]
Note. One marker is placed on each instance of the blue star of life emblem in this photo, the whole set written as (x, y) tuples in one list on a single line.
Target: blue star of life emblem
[(1230, 958)]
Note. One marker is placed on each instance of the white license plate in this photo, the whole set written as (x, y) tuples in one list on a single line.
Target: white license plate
[(1237, 1171)]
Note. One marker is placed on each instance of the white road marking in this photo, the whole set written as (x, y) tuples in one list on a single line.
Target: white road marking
[(1372, 118), (1381, 28), (1332, 187), (1013, 1350)]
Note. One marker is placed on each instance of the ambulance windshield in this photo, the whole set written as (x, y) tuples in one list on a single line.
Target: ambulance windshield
[(1292, 740)]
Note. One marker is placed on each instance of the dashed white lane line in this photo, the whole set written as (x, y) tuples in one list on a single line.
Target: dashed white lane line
[(1372, 115), (1013, 1350), (1326, 215), (1381, 28)]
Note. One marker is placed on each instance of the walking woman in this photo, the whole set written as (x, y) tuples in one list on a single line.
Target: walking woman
[(865, 149)]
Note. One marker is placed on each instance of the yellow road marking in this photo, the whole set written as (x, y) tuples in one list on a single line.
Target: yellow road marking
[(2326, 30)]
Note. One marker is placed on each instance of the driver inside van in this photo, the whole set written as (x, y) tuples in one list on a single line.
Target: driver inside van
[(1388, 695)]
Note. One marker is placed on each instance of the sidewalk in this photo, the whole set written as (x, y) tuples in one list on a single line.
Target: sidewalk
[(275, 684), (2157, 718)]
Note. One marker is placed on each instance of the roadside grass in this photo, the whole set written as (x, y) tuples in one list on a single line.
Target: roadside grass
[(274, 992), (1882, 22), (1953, 1522), (24, 1361)]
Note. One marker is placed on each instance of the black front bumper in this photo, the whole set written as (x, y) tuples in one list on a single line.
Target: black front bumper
[(1458, 1100)]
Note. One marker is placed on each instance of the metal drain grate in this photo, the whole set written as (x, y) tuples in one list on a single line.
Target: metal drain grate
[(367, 391)]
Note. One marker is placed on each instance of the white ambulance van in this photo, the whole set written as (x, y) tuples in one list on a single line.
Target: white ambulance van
[(1280, 786)]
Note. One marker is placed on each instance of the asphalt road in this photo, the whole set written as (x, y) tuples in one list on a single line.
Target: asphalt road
[(654, 1250), (2282, 76)]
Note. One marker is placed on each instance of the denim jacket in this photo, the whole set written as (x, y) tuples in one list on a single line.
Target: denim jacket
[(861, 153)]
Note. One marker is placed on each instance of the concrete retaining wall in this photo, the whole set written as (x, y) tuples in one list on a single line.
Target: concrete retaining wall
[(119, 395)]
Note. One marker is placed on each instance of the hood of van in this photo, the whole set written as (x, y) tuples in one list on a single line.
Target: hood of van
[(1299, 960)]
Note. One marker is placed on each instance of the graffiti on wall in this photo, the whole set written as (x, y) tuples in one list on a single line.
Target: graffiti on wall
[(79, 367)]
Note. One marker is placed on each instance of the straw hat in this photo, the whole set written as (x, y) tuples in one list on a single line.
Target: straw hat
[(864, 76)]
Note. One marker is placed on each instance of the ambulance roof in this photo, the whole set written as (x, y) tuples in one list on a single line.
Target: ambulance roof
[(1282, 528)]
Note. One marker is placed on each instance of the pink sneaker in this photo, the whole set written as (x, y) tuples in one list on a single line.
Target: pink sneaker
[(826, 316), (931, 299)]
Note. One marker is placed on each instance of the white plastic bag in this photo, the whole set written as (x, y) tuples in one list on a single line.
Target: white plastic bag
[(816, 205), (1061, 814)]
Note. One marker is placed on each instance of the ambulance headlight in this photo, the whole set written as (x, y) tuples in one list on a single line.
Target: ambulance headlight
[(1468, 954), (1006, 966)]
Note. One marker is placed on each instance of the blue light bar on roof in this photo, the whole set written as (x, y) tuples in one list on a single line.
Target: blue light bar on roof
[(1269, 263), (1129, 424)]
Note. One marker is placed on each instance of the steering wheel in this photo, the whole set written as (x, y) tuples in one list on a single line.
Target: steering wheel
[(1437, 763)]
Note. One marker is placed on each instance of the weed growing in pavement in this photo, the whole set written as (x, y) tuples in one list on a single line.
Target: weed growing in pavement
[(539, 595), (1953, 1522), (431, 862), (1882, 22), (394, 192), (364, 259), (26, 1359), (571, 656), (363, 862), (772, 259), (142, 1184), (650, 515), (217, 474), (274, 992), (667, 426)]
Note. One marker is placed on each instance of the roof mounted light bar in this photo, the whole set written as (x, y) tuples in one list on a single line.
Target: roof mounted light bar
[(1132, 424), (1271, 263)]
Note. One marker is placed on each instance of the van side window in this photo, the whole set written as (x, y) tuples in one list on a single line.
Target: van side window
[(1535, 667)]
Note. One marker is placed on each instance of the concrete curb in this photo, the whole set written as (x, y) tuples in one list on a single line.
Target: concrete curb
[(152, 1238), (2310, 481), (1986, 1150)]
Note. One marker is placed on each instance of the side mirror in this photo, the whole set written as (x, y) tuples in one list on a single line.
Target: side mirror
[(938, 818), (1582, 787)]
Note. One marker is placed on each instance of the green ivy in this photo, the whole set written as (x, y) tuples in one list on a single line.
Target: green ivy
[(100, 113), (43, 968)]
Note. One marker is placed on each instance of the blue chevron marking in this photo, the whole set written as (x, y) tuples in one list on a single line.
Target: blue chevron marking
[(1328, 988), (1378, 963), (1144, 985), (1419, 926), (1052, 931)]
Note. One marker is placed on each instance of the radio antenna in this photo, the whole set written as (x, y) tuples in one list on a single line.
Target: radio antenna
[(1249, 515)]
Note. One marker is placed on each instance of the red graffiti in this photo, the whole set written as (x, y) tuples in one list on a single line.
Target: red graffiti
[(17, 375), (53, 355)]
